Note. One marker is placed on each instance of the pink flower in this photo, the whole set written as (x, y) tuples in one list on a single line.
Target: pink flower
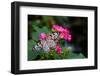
[(42, 36), (61, 35), (68, 37), (66, 30), (65, 36), (64, 33), (58, 28), (58, 49)]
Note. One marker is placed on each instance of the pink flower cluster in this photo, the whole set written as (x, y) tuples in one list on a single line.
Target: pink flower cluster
[(64, 33)]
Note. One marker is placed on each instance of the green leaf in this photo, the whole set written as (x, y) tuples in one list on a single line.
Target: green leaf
[(72, 55)]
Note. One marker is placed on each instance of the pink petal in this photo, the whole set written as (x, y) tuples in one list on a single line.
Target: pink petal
[(42, 36), (58, 49)]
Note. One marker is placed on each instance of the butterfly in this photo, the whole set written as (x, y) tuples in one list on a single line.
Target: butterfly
[(47, 44)]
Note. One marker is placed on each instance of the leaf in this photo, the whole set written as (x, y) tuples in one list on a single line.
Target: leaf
[(68, 54), (72, 55)]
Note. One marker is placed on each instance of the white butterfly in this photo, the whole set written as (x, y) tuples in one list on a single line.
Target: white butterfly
[(47, 44)]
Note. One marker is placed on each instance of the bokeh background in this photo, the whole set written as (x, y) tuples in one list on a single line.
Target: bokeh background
[(78, 47)]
